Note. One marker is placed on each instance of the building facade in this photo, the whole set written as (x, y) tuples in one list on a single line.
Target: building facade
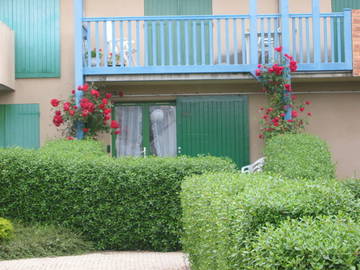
[(185, 72)]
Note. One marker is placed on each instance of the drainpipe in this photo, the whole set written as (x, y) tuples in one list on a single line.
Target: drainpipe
[(78, 61)]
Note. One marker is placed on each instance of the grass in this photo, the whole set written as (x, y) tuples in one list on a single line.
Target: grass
[(32, 241)]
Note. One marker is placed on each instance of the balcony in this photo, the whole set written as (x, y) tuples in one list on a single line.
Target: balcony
[(7, 56), (214, 44)]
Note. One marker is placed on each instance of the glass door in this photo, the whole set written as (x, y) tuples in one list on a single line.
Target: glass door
[(146, 129)]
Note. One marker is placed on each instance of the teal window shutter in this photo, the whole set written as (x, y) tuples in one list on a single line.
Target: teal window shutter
[(37, 34), (20, 125)]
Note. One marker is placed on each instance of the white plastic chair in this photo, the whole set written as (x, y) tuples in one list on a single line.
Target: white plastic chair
[(115, 47), (257, 166)]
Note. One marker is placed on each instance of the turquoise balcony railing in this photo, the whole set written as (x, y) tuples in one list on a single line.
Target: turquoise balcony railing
[(210, 44)]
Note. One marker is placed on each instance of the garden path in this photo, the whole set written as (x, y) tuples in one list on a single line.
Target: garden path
[(104, 261)]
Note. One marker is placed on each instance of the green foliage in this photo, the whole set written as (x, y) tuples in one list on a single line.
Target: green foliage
[(299, 156), (41, 241), (6, 229), (223, 212), (353, 185), (312, 243), (124, 204), (76, 148)]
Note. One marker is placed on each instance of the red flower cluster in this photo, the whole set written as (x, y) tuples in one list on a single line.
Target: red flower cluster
[(276, 84), (94, 111)]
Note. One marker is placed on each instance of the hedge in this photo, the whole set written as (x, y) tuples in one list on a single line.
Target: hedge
[(353, 185), (222, 212), (83, 148), (298, 156), (312, 243), (123, 204)]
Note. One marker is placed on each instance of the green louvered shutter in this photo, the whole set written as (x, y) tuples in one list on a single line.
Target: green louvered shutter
[(339, 5), (174, 8), (37, 36), (215, 125), (20, 125)]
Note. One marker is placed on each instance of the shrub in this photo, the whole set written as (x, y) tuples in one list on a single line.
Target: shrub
[(312, 243), (124, 204), (223, 212), (6, 229), (353, 185), (299, 156), (42, 240), (74, 148)]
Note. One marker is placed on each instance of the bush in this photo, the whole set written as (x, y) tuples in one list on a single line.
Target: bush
[(223, 212), (6, 229), (299, 156), (74, 148), (353, 185), (124, 204), (313, 243), (42, 240)]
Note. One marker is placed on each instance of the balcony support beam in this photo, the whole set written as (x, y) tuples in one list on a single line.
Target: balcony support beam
[(316, 30), (78, 58), (253, 33), (284, 11)]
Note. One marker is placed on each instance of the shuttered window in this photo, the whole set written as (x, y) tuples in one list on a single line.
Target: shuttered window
[(19, 125), (339, 5), (37, 35)]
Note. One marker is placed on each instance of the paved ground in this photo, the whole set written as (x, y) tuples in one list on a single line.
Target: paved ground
[(104, 261)]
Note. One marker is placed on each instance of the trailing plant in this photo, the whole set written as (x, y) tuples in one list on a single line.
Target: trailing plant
[(93, 112), (283, 115)]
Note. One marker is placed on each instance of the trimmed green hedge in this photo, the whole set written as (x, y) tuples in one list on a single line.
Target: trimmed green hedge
[(313, 243), (124, 204), (299, 156), (83, 148), (222, 212), (353, 185)]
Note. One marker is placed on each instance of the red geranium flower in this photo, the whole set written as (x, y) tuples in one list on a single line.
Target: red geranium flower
[(114, 124), (55, 102), (309, 114), (294, 114), (117, 132), (302, 109), (70, 138), (85, 130), (308, 102), (67, 106), (278, 49), (108, 95), (72, 112), (288, 87), (95, 93)]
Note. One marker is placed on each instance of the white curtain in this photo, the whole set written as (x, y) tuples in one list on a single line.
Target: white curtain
[(130, 140), (163, 131)]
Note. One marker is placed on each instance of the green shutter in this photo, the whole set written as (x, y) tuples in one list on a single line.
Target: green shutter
[(37, 35), (216, 125), (339, 5), (19, 125), (173, 8)]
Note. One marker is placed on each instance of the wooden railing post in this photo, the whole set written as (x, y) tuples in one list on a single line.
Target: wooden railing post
[(78, 58), (348, 37), (316, 31), (284, 11), (253, 33)]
